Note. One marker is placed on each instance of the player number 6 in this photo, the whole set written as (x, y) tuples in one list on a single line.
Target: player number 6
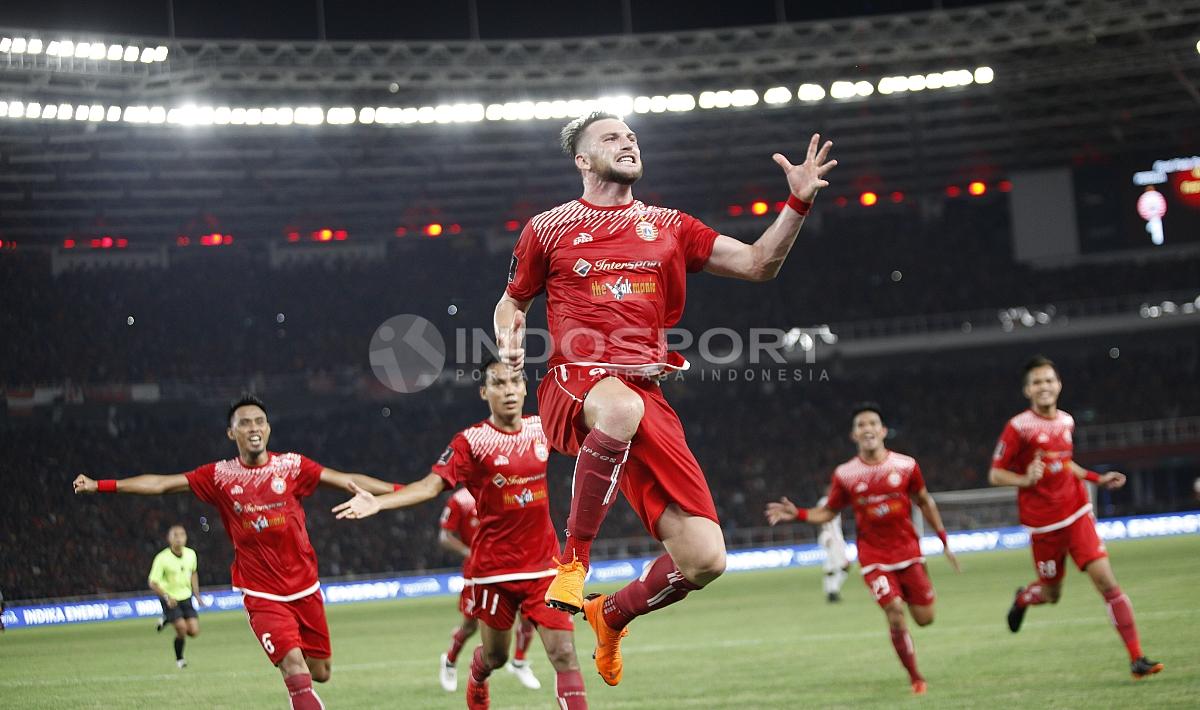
[(266, 643)]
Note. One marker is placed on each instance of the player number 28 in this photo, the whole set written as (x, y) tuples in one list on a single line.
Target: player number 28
[(880, 587), (266, 643), (1047, 568)]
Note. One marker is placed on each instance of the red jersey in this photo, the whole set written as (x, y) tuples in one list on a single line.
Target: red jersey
[(506, 474), (260, 508), (461, 518), (880, 494), (1059, 498), (614, 277)]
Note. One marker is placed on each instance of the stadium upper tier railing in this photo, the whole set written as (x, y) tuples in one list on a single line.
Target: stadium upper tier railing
[(1126, 435)]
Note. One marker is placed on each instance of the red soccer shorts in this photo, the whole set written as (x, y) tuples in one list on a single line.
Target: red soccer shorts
[(466, 600), (661, 468), (497, 603), (1050, 549), (910, 583), (282, 626)]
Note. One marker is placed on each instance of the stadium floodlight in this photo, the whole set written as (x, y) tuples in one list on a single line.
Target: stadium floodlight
[(98, 51), (842, 90), (33, 110), (95, 113), (130, 54), (810, 92), (34, 46), (113, 113), (81, 113), (3, 109), (864, 88), (680, 102), (160, 53), (115, 52), (65, 111), (984, 75), (916, 82), (5, 44)]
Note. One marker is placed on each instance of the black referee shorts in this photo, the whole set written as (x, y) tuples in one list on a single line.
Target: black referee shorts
[(182, 610)]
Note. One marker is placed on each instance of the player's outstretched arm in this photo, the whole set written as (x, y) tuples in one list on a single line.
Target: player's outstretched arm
[(509, 323), (331, 478), (762, 260), (930, 510), (785, 510), (364, 504), (147, 484), (453, 543)]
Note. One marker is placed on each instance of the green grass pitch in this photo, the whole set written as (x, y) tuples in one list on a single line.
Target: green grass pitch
[(752, 640)]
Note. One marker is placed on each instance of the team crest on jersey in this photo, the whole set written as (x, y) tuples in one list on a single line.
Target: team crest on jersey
[(583, 238), (237, 507), (582, 267), (893, 479), (236, 491), (279, 485), (540, 451), (646, 231), (500, 460), (860, 487), (1042, 438), (499, 480)]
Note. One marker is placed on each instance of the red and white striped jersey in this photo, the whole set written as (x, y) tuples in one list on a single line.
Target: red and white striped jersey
[(881, 497), (1059, 498)]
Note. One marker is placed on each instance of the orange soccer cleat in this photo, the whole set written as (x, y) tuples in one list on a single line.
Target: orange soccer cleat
[(477, 694), (566, 591), (608, 642), (919, 687)]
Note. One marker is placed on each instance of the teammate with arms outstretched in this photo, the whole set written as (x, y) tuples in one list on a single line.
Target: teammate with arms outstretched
[(175, 579), (458, 525), (1036, 454), (881, 486), (258, 495), (502, 462), (614, 272)]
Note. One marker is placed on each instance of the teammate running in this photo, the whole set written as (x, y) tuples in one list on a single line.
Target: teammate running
[(1035, 453), (459, 523), (502, 462), (881, 486), (274, 566), (174, 578), (835, 565), (614, 273)]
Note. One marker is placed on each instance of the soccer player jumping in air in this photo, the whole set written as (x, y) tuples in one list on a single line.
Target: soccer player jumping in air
[(614, 273), (274, 566), (502, 461), (881, 486), (1035, 454)]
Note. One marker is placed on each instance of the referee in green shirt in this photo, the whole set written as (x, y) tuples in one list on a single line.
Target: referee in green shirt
[(173, 578)]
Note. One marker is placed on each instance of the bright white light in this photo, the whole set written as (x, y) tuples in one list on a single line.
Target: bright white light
[(984, 75), (160, 54), (3, 109), (18, 45), (82, 50), (33, 110), (158, 114), (5, 44), (810, 92), (221, 116), (254, 116), (16, 109), (147, 55), (340, 116), (681, 102), (66, 48), (933, 81), (842, 90), (641, 104), (81, 113), (916, 82), (95, 113), (65, 111), (114, 113), (495, 112), (97, 52), (34, 46), (131, 54), (115, 52), (863, 88), (745, 97)]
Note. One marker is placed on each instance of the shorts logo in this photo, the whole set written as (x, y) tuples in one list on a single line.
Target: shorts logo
[(646, 231), (540, 450), (446, 456), (500, 460), (499, 480), (236, 491), (279, 485), (583, 238), (512, 269), (582, 267)]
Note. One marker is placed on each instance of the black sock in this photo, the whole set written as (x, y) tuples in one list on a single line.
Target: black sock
[(178, 649)]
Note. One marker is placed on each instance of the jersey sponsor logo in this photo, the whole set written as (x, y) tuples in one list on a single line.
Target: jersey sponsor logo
[(252, 508), (540, 451), (522, 480), (279, 485), (624, 288), (262, 522), (610, 265), (523, 498), (446, 456), (583, 238), (499, 480), (646, 231), (500, 460), (582, 267), (236, 491), (512, 269)]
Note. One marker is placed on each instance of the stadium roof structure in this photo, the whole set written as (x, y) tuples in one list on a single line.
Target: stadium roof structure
[(147, 137)]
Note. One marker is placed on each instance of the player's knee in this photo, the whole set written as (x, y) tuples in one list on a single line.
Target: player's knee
[(321, 670), (495, 658), (562, 656), (618, 412), (193, 632), (924, 620), (706, 567)]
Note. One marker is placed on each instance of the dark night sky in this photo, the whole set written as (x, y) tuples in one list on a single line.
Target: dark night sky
[(445, 19)]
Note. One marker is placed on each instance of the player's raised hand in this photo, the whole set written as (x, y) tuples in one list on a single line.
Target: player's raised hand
[(806, 178), (362, 505), (511, 342), (781, 510), (1112, 480), (1035, 470), (83, 484)]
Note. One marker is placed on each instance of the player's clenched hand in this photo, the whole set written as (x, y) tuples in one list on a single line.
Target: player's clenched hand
[(780, 511), (171, 603), (1034, 471), (1112, 480), (806, 178), (511, 342), (362, 505), (83, 484)]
